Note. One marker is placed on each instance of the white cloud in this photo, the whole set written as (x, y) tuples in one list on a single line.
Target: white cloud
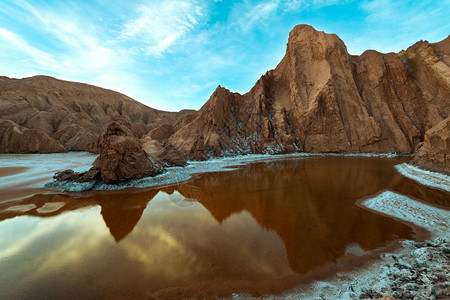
[(255, 14), (160, 25), (80, 54), (14, 42), (291, 5)]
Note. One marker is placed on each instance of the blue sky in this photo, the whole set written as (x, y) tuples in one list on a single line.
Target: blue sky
[(172, 54)]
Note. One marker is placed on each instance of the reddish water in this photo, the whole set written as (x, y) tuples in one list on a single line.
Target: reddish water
[(260, 229)]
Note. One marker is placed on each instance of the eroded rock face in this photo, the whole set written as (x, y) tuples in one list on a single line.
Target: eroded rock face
[(18, 139), (154, 145), (74, 114), (121, 158), (434, 152), (321, 99)]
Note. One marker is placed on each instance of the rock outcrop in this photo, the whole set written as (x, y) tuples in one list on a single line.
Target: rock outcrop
[(121, 158), (73, 114), (321, 99), (18, 139), (434, 152), (153, 144)]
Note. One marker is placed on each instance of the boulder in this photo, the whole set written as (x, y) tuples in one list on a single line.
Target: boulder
[(121, 158)]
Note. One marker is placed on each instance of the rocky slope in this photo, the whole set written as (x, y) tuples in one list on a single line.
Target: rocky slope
[(18, 139), (71, 114), (434, 152), (321, 99)]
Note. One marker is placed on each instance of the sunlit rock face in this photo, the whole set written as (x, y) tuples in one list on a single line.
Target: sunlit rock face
[(73, 114), (321, 99), (434, 152), (121, 158)]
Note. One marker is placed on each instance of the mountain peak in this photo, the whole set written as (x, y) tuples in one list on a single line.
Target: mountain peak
[(321, 99), (305, 32)]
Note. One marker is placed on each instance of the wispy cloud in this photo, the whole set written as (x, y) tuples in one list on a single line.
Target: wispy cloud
[(14, 42), (291, 5), (160, 24), (254, 14)]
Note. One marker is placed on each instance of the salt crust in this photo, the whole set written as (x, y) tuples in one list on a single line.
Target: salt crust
[(415, 271), (428, 178)]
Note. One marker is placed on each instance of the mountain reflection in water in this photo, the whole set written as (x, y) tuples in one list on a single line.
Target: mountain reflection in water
[(257, 229)]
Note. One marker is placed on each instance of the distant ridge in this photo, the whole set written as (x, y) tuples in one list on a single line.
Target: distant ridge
[(67, 115)]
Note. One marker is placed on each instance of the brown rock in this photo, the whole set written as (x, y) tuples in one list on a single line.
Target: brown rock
[(17, 139), (161, 133), (170, 157), (153, 144), (150, 146), (434, 152), (321, 99), (121, 158), (74, 114)]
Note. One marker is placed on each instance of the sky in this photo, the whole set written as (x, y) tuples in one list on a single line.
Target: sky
[(172, 54)]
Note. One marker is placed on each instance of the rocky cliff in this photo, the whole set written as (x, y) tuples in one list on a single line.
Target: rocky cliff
[(322, 99), (434, 152), (71, 114)]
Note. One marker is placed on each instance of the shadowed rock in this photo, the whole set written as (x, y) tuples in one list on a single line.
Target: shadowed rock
[(434, 152)]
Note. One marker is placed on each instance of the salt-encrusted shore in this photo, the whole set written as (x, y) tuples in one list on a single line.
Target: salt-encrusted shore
[(428, 178), (417, 270), (180, 174)]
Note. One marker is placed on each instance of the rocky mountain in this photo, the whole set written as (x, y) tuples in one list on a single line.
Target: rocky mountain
[(322, 99), (67, 115)]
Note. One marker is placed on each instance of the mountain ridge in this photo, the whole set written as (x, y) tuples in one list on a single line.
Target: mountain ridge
[(320, 98), (70, 114)]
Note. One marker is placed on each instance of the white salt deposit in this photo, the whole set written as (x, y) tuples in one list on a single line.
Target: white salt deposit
[(428, 178), (416, 271), (436, 220)]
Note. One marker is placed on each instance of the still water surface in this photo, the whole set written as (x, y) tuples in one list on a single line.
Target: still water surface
[(258, 230)]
